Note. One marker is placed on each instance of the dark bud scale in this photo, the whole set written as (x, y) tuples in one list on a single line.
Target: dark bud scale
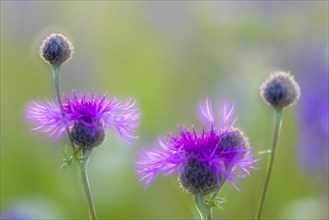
[(197, 178), (84, 136)]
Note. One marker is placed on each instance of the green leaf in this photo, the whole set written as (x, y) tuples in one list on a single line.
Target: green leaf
[(216, 202), (76, 153), (220, 200), (268, 151), (67, 157)]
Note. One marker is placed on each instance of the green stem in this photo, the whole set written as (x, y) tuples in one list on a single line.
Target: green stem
[(85, 182), (86, 152), (56, 70), (278, 119), (203, 209)]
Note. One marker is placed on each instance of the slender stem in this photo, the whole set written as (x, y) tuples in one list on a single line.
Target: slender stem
[(56, 70), (86, 152), (278, 119), (203, 209), (85, 183)]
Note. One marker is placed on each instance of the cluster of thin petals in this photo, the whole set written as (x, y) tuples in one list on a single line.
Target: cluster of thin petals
[(92, 110), (173, 151)]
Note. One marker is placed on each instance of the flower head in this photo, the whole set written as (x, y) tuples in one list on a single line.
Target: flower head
[(87, 117), (204, 160), (56, 49), (280, 90)]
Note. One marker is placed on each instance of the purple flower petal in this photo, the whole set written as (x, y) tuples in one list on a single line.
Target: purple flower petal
[(94, 111)]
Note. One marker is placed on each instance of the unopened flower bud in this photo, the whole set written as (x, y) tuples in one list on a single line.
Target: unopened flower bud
[(56, 49), (280, 90), (233, 143), (232, 139)]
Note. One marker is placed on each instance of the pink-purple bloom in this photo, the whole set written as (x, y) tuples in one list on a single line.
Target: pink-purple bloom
[(94, 112), (218, 150)]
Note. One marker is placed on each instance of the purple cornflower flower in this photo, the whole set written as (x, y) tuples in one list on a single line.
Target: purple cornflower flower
[(86, 116), (203, 160)]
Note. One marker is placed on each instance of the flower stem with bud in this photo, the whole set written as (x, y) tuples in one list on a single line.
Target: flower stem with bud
[(81, 163), (278, 119), (280, 90)]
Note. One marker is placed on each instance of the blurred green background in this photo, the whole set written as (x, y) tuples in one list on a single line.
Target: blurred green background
[(169, 55)]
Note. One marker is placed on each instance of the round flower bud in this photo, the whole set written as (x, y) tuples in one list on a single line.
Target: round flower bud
[(233, 143), (234, 138), (197, 178), (280, 90), (85, 136), (56, 49)]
